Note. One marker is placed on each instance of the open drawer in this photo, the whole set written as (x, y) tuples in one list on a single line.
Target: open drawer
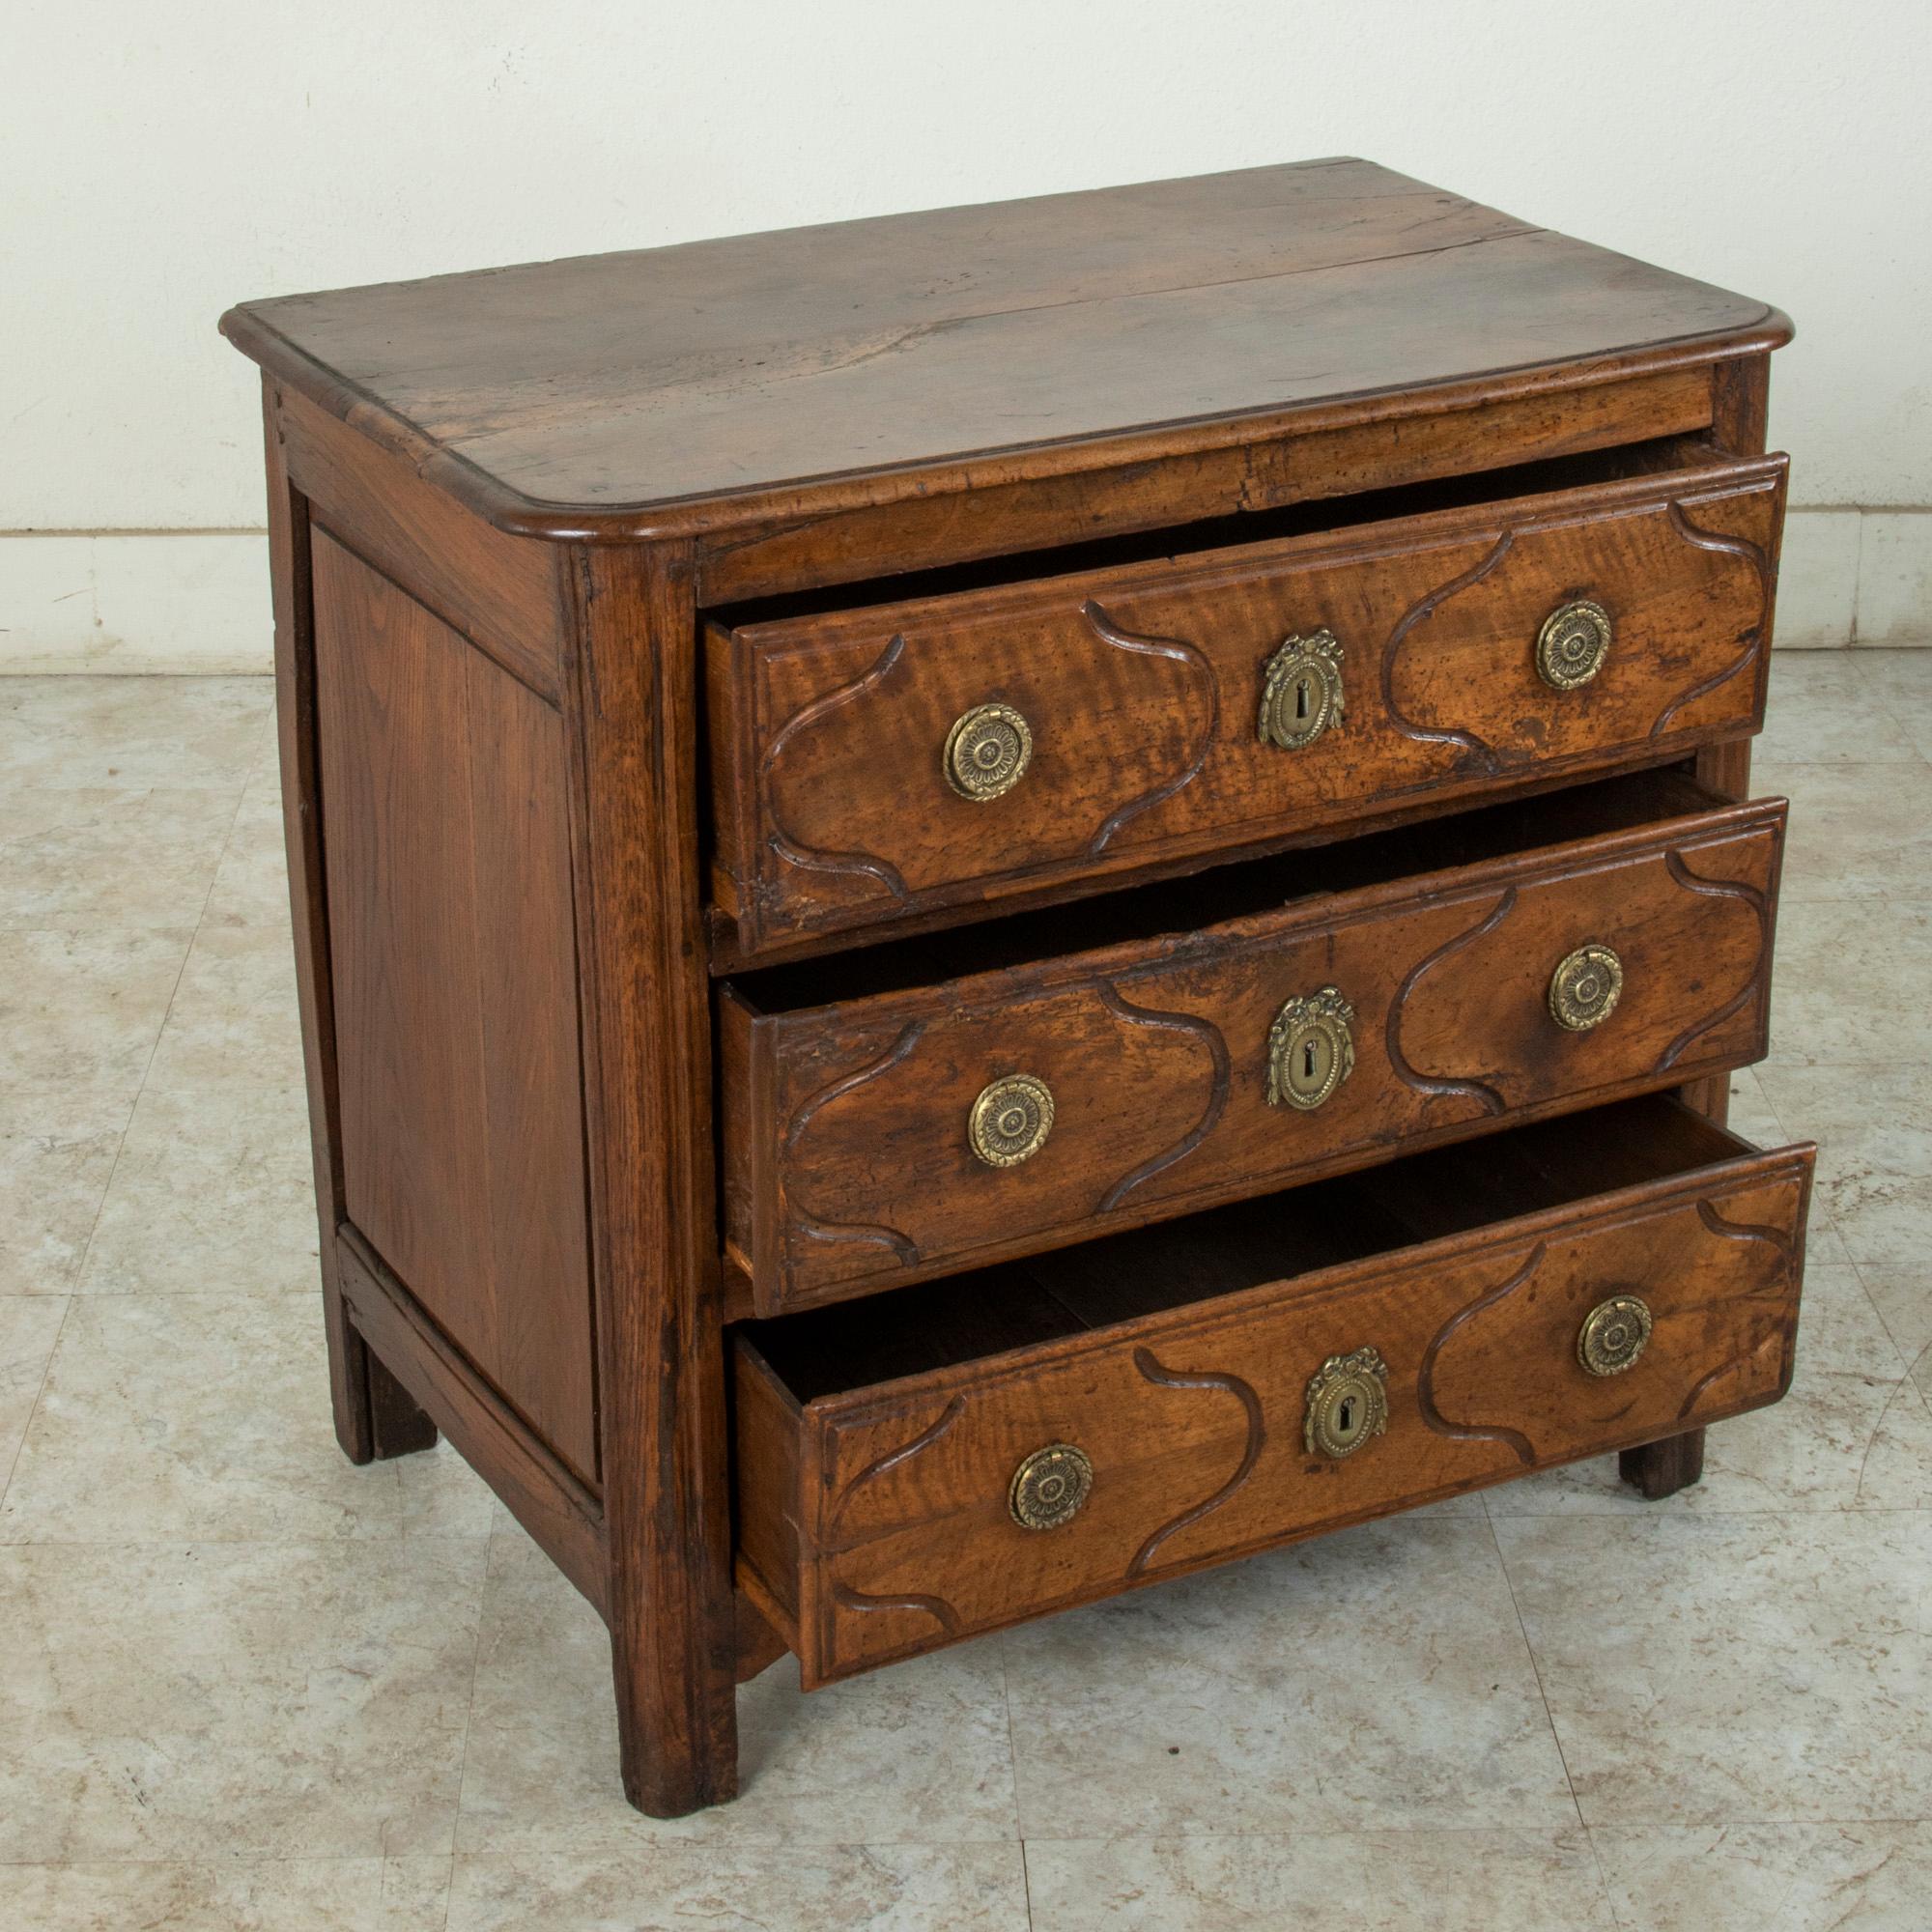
[(923, 757), (950, 1101), (924, 1466)]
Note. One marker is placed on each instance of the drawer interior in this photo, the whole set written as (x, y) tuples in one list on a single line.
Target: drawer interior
[(1423, 1198), (1627, 803), (1580, 470)]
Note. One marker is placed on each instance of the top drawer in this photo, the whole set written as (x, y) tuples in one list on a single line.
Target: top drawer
[(894, 761)]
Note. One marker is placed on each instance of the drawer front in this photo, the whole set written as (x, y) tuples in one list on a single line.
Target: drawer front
[(891, 762), (850, 1131), (1195, 1425)]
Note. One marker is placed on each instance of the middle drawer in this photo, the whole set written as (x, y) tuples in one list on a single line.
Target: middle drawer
[(942, 1103)]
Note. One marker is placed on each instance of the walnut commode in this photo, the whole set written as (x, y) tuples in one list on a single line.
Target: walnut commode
[(964, 945)]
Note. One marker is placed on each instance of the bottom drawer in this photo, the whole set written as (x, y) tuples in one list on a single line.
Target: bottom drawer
[(926, 1464)]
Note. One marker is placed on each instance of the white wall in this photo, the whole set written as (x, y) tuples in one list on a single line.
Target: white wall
[(157, 163)]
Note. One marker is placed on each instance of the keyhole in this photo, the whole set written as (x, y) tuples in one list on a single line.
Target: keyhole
[(1301, 698), (1345, 1418), (1308, 1060)]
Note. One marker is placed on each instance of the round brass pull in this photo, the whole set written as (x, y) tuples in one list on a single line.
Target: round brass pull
[(1310, 1050), (1614, 1334), (1572, 643), (1010, 1119), (1348, 1403), (1302, 690), (987, 752), (1049, 1487), (1585, 987)]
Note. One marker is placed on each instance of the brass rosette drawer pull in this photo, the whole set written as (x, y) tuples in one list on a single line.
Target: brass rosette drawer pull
[(1614, 1334), (1585, 987), (1572, 643), (987, 752), (1010, 1119), (1301, 691), (1049, 1487), (1311, 1049), (1348, 1403)]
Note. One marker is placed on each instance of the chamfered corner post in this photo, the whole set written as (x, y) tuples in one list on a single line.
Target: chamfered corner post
[(375, 1416), (631, 696)]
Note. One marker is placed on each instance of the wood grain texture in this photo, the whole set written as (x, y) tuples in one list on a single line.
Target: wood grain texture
[(845, 1124), (1472, 432), (499, 591), (671, 390), (1193, 1415), (506, 507), (1141, 686), (375, 1416), (453, 964), (633, 726)]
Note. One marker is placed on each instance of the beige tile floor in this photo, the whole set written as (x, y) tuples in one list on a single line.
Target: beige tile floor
[(242, 1685)]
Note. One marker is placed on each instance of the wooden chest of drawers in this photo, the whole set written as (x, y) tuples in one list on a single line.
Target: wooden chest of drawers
[(996, 903)]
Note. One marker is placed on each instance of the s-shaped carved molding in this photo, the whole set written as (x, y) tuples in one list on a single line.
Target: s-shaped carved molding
[(1428, 1085), (1210, 1036), (1194, 660), (795, 851), (1425, 607), (1513, 1439), (1744, 894), (1752, 639), (800, 1218), (940, 1427), (1228, 1384)]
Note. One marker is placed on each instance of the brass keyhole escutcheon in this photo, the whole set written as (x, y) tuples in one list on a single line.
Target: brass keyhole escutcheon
[(1614, 1334), (1585, 987), (1572, 643), (1348, 1403), (1302, 690), (1010, 1119), (1049, 1487), (1310, 1050), (987, 752)]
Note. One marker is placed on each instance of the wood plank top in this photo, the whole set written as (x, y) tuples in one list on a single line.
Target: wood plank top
[(670, 390)]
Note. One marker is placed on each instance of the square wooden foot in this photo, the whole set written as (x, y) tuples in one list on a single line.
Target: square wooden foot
[(376, 1417), (1659, 1469)]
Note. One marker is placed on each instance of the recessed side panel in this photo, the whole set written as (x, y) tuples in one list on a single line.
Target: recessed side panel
[(447, 864)]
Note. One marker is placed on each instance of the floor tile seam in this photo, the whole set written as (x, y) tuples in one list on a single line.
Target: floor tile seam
[(1910, 1360), (33, 1408), (489, 1541), (728, 1846), (1535, 1668)]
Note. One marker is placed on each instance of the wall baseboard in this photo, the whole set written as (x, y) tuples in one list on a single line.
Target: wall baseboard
[(197, 601), (148, 601)]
